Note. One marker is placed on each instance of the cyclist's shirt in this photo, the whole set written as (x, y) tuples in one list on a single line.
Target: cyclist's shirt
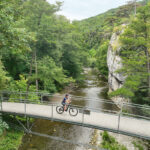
[(64, 100)]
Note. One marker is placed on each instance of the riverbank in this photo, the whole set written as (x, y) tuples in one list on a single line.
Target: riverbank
[(105, 140), (125, 142), (121, 142)]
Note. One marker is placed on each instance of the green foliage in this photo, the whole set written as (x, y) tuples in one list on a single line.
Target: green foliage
[(92, 59), (136, 57), (71, 59), (102, 57), (110, 143), (138, 145), (35, 10), (11, 140), (3, 126), (3, 77), (29, 27), (20, 86), (51, 76), (56, 40), (14, 40)]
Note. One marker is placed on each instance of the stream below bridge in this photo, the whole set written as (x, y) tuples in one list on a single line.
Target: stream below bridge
[(93, 89)]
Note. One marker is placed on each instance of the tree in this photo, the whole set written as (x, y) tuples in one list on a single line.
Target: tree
[(101, 59), (50, 76), (14, 40), (34, 10), (136, 58), (4, 79)]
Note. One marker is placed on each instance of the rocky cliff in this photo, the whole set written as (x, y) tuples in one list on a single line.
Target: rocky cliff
[(114, 62)]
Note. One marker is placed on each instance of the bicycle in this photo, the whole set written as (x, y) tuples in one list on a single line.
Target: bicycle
[(72, 110)]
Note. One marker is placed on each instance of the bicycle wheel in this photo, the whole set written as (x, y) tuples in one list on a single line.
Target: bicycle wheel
[(60, 109), (73, 111)]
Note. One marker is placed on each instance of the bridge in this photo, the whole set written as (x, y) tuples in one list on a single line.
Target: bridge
[(122, 122)]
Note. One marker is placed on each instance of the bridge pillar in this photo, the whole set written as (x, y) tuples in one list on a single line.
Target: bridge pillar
[(28, 123), (41, 98), (20, 95), (119, 116)]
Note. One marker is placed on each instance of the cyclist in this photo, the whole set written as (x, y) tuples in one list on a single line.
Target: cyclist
[(66, 101)]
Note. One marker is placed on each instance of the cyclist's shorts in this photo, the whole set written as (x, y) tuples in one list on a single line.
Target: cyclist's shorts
[(63, 104)]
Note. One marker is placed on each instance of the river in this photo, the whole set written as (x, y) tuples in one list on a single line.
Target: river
[(93, 88)]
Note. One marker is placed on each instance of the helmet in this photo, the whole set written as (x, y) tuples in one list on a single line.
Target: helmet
[(67, 95)]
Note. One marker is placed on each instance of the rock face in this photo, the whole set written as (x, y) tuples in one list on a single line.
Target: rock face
[(114, 62)]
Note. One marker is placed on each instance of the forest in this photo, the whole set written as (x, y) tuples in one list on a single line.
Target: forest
[(39, 49), (43, 51)]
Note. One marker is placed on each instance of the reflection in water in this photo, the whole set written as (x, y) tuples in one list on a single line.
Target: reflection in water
[(92, 89)]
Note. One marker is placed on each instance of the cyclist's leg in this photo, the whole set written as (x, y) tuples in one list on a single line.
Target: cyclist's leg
[(65, 106)]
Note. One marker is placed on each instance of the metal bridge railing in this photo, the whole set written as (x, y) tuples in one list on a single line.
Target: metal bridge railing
[(38, 97)]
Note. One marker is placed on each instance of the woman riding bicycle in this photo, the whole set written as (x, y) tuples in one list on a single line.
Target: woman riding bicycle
[(73, 111), (66, 101)]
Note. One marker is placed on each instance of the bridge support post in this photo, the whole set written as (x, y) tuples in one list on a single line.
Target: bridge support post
[(20, 97), (28, 123), (1, 102), (24, 127), (41, 98), (52, 111), (118, 121), (83, 116), (25, 107), (120, 117), (27, 128)]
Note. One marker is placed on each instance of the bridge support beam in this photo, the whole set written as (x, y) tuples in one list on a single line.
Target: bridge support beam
[(119, 116), (24, 127), (28, 123), (27, 127)]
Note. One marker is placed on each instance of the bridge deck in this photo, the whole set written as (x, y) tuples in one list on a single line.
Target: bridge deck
[(127, 125)]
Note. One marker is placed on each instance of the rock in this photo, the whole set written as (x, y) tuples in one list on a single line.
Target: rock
[(114, 62), (54, 130)]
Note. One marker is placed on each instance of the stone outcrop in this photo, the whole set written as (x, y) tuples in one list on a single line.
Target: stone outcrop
[(114, 62)]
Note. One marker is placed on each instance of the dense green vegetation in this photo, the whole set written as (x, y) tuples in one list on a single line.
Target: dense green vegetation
[(11, 139), (135, 53), (38, 46), (110, 142)]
